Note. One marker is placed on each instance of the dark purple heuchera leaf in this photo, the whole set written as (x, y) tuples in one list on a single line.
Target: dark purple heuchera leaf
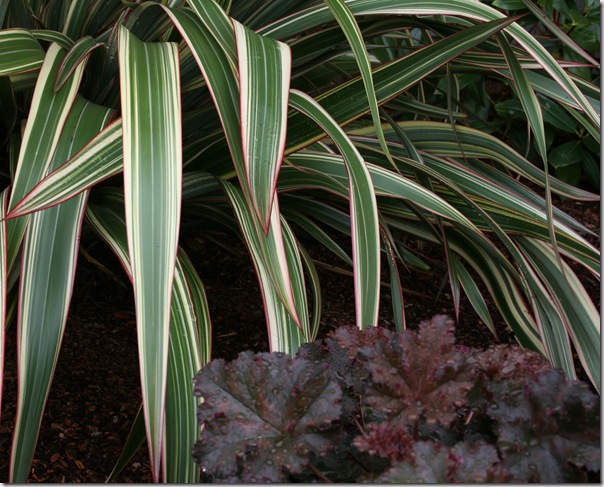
[(546, 425), (420, 374), (393, 442), (346, 351), (479, 463), (431, 462), (509, 363), (263, 416), (360, 343)]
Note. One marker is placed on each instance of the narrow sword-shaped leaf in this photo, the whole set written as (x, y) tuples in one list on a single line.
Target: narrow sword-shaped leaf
[(475, 10), (98, 160), (439, 139), (582, 318), (188, 353), (363, 213), (47, 275), (149, 83), (558, 32), (19, 52), (385, 183), (76, 17), (47, 115), (354, 35), (53, 36), (532, 110), (135, 440), (264, 75), (473, 293), (284, 334), (77, 54), (219, 24), (316, 290), (346, 102), (396, 290), (190, 342), (222, 82), (3, 285)]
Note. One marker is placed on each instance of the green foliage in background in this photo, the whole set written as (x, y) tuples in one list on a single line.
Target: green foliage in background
[(571, 32), (269, 122)]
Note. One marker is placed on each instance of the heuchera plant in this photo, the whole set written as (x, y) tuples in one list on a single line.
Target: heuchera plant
[(377, 406)]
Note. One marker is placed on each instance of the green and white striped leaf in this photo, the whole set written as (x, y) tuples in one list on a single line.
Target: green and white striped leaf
[(354, 35), (347, 102), (532, 110), (47, 275), (363, 213), (219, 24), (47, 115), (581, 317), (474, 10), (285, 335), (98, 160), (326, 167), (188, 353), (473, 292), (19, 52), (190, 342), (465, 142), (150, 97), (79, 53), (264, 73), (317, 233), (75, 19), (224, 87), (557, 31), (396, 289), (53, 36)]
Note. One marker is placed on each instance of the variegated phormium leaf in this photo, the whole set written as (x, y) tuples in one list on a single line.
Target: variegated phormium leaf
[(149, 80)]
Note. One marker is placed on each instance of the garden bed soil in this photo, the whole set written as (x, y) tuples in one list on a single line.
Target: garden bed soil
[(95, 394)]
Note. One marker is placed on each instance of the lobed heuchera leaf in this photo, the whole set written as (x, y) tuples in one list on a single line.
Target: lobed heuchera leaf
[(420, 374), (547, 424), (509, 362), (345, 351), (263, 416), (431, 462)]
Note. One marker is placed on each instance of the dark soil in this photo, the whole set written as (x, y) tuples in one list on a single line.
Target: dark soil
[(95, 394)]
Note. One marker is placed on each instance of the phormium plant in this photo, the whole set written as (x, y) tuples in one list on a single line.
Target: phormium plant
[(412, 407), (265, 120)]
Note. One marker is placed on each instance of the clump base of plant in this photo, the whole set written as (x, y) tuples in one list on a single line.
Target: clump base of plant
[(378, 406)]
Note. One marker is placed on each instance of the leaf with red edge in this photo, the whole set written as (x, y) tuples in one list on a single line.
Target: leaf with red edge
[(263, 416), (420, 374)]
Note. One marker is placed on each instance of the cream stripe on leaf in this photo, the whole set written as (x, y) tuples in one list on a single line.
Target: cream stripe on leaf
[(264, 75), (363, 212), (190, 344), (151, 117), (47, 275), (49, 110)]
